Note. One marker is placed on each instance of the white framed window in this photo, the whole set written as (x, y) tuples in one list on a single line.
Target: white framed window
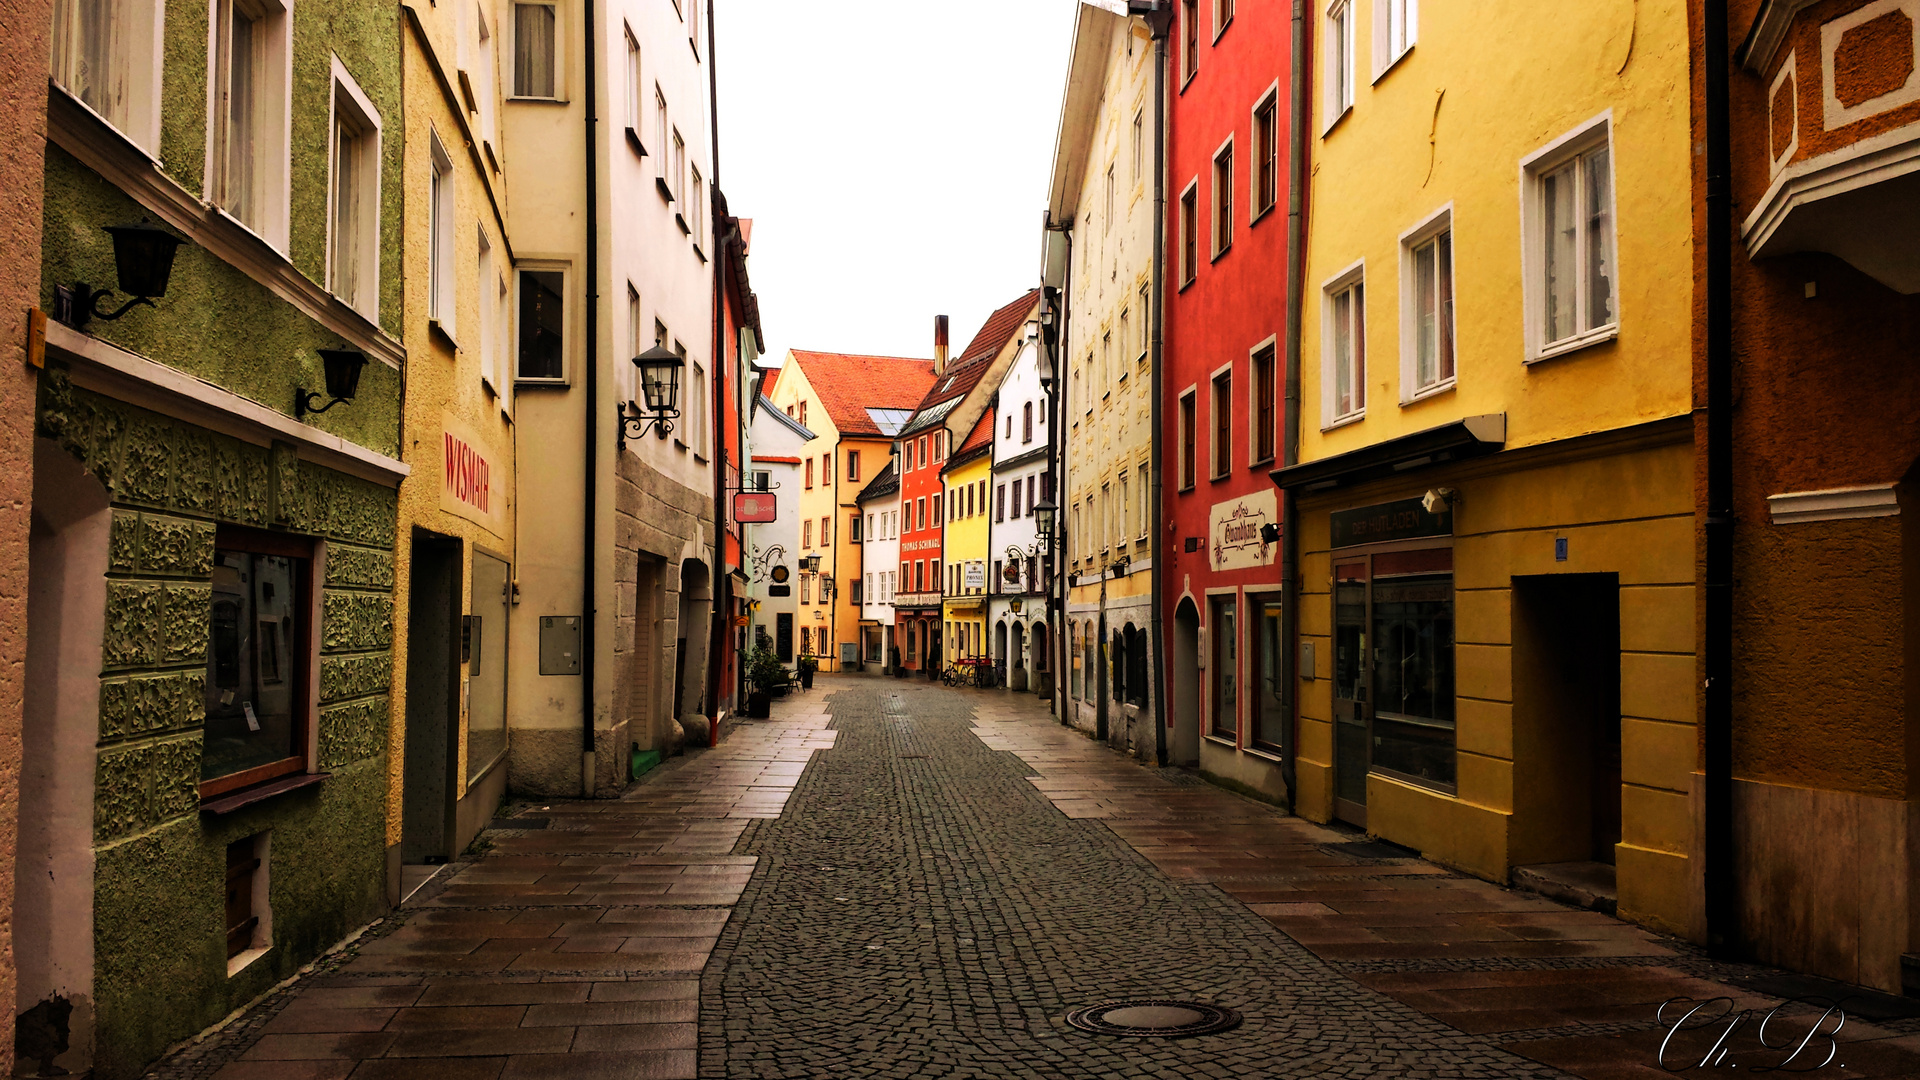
[(1222, 15), (1189, 40), (1569, 271), (1146, 317), (699, 409), (503, 336), (106, 54), (1223, 198), (1343, 346), (1126, 335), (660, 127), (1263, 176), (679, 165), (636, 344), (1189, 232), (248, 168), (1106, 363), (1426, 309), (1337, 62), (440, 256), (536, 49), (1396, 25), (1126, 506), (353, 196), (697, 216), (1220, 416), (1106, 222), (1145, 517), (636, 100), (489, 317), (1139, 144), (540, 322)]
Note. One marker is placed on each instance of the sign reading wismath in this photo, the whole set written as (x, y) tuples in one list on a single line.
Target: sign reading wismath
[(470, 475)]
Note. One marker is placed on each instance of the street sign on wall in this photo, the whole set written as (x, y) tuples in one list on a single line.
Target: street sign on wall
[(754, 507)]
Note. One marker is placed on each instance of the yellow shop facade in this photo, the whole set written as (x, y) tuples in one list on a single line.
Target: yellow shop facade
[(967, 542), (1495, 482)]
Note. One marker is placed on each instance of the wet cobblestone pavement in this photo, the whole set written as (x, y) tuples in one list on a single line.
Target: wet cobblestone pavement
[(922, 910), (899, 880)]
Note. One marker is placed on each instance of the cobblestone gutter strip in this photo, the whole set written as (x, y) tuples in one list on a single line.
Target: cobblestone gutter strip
[(920, 910)]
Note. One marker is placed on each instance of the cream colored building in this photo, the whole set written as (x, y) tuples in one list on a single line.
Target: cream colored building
[(455, 555), (1102, 189), (597, 282)]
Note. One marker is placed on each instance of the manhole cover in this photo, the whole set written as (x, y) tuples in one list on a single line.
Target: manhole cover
[(1153, 1019)]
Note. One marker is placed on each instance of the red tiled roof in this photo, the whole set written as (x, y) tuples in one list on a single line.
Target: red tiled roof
[(849, 385), (981, 435), (964, 373), (777, 460), (767, 384)]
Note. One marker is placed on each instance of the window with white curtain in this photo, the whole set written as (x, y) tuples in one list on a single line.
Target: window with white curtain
[(636, 344), (1573, 283), (483, 289), (1428, 334), (353, 263), (247, 166), (635, 101), (440, 257), (1337, 62), (536, 52), (106, 54), (1344, 345), (1396, 24)]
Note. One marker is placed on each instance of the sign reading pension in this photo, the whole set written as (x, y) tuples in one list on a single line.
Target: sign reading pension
[(467, 473), (1402, 520), (975, 576), (1235, 535)]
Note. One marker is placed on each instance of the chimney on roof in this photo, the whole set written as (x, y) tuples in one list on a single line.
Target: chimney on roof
[(939, 344)]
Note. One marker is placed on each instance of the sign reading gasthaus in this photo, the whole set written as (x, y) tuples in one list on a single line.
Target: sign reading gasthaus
[(1234, 539), (468, 474)]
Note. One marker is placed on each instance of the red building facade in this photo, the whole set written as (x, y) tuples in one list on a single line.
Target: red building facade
[(1223, 370)]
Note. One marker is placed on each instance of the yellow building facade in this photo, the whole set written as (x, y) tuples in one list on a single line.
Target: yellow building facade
[(1495, 488), (966, 544), (454, 562)]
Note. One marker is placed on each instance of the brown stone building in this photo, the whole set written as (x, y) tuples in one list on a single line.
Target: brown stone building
[(1818, 374)]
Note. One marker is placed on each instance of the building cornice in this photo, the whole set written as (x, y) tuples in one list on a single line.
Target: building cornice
[(1768, 33), (1834, 504)]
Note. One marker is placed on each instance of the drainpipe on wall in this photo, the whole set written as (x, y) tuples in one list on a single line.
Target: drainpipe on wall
[(1290, 444), (1722, 900), (722, 583), (1057, 548), (1159, 21), (588, 550)]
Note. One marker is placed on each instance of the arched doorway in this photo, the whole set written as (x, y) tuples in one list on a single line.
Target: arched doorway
[(1017, 676), (1185, 738), (1002, 659), (1042, 649)]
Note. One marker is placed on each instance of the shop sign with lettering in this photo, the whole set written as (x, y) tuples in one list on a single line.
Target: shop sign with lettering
[(1402, 520), (467, 475), (1235, 537)]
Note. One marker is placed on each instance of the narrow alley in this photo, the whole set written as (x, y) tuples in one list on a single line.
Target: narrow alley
[(895, 880)]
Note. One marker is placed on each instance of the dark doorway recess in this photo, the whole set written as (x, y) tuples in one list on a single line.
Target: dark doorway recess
[(433, 700), (1566, 718)]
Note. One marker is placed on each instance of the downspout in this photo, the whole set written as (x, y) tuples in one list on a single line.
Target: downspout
[(1290, 444), (722, 583), (1057, 553), (1160, 21), (588, 578), (1722, 900)]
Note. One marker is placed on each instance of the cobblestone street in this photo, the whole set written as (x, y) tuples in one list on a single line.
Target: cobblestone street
[(896, 880)]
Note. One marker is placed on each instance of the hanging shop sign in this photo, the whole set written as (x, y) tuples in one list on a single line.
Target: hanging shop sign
[(974, 575), (754, 507), (1236, 538), (1405, 519)]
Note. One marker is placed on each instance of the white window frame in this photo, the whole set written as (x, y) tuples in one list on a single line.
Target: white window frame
[(503, 355), (636, 343), (1126, 331), (702, 404), (1139, 137), (272, 120), (1278, 374), (1146, 323), (488, 316), (697, 213), (679, 166), (1219, 217), (1219, 464), (565, 269), (1188, 274), (442, 262), (1583, 139), (636, 84), (1145, 472), (512, 55), (1268, 97), (1352, 276), (346, 92), (1440, 221), (1386, 51), (1336, 87), (137, 64), (1220, 24)]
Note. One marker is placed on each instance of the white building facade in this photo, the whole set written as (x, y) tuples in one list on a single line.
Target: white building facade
[(779, 445), (1022, 480), (877, 510)]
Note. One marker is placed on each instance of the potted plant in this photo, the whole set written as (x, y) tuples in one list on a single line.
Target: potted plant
[(763, 674), (808, 665)]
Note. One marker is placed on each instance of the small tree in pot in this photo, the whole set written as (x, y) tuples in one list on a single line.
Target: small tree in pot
[(763, 673), (808, 665)]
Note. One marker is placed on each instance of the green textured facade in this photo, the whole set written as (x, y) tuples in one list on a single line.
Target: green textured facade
[(247, 330)]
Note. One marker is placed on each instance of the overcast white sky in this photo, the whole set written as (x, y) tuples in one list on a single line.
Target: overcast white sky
[(894, 157)]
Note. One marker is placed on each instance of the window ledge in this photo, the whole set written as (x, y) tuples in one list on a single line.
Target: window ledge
[(1220, 251), (240, 962), (1222, 29), (701, 254), (633, 140), (438, 329), (1219, 476), (531, 381), (1327, 128), (1187, 284), (1431, 392), (1576, 343), (681, 220), (666, 190), (1268, 460), (1221, 740), (245, 797), (1391, 64), (521, 99), (1343, 421), (1262, 214)]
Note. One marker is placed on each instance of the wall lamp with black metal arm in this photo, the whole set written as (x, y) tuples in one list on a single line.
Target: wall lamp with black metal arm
[(142, 256), (342, 367), (660, 386)]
